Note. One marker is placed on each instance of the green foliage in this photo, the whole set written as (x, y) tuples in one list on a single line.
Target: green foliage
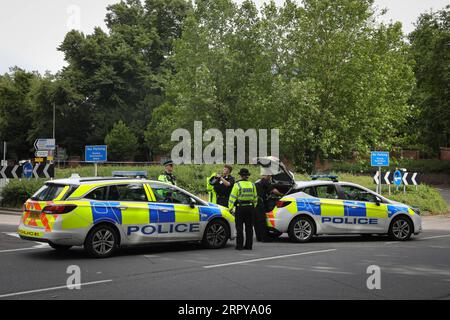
[(16, 192), (122, 143), (431, 51)]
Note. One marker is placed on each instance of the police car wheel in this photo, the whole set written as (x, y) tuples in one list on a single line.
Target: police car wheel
[(59, 247), (216, 235), (101, 241), (301, 229), (401, 229)]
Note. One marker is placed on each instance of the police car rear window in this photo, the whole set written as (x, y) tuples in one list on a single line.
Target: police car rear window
[(48, 192)]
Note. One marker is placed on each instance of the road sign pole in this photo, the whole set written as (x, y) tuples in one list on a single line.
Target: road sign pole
[(95, 169), (379, 181)]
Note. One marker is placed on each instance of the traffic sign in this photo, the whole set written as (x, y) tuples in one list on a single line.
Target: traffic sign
[(44, 144), (27, 171), (379, 159), (397, 177), (42, 153), (96, 154)]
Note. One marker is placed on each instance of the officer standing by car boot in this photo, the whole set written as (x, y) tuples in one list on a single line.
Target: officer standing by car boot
[(223, 184), (243, 199), (167, 176), (264, 189)]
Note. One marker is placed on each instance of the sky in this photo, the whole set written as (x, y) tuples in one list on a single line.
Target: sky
[(31, 30)]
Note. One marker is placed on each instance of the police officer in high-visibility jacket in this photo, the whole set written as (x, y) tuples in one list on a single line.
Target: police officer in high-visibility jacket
[(168, 176), (243, 199), (212, 196)]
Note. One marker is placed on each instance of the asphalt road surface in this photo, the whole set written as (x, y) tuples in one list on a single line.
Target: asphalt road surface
[(327, 268)]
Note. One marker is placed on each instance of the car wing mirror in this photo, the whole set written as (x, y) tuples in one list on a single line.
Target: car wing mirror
[(192, 202), (378, 201)]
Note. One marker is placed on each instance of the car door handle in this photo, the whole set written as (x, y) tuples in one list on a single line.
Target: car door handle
[(354, 207), (164, 210), (123, 208)]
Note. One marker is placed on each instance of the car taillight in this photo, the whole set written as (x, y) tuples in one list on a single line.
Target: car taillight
[(58, 209), (281, 204)]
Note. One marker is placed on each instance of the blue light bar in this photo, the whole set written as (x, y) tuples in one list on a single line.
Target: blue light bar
[(324, 176)]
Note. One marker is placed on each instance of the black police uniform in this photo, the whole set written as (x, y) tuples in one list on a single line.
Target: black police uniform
[(221, 190), (263, 188)]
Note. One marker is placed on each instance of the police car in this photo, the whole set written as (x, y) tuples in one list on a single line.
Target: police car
[(328, 206), (102, 214)]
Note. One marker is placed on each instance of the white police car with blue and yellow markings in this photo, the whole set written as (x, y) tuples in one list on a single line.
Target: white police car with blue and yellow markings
[(102, 214), (330, 207)]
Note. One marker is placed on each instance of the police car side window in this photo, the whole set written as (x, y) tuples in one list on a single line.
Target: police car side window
[(97, 194), (168, 194), (127, 192), (357, 194), (310, 191), (327, 192)]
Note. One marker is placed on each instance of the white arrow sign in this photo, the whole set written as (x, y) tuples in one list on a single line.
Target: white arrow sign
[(413, 179), (42, 153), (35, 174), (2, 172), (375, 177), (13, 171), (44, 144), (386, 177), (405, 182), (45, 171)]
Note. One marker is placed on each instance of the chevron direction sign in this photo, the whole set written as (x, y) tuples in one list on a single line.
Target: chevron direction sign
[(407, 179), (42, 170)]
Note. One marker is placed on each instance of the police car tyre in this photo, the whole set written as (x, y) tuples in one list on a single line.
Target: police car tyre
[(216, 234), (401, 229), (59, 247), (301, 229), (102, 241)]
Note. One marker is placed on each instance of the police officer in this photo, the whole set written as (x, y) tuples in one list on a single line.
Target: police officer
[(243, 199), (168, 176), (264, 189), (222, 184)]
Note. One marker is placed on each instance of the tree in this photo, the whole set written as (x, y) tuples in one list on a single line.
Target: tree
[(120, 74), (122, 143), (430, 48), (15, 111)]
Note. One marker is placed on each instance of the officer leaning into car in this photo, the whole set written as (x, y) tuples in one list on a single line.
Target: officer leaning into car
[(222, 185), (243, 199), (264, 189), (168, 176)]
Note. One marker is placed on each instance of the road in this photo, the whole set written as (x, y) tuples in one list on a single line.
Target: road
[(327, 268)]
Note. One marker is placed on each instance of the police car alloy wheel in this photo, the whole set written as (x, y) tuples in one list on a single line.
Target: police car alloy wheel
[(301, 229), (401, 229), (216, 235), (59, 247), (101, 241)]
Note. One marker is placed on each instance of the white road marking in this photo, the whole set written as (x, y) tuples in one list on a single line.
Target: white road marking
[(267, 258), (435, 237), (12, 234), (43, 246), (52, 288)]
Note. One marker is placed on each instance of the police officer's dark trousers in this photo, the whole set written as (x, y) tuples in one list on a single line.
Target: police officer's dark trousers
[(244, 216), (260, 221)]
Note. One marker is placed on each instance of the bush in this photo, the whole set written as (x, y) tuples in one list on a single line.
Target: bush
[(122, 143), (16, 192)]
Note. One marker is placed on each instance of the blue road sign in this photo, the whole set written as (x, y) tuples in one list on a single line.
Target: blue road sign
[(27, 171), (96, 154), (397, 177), (379, 159)]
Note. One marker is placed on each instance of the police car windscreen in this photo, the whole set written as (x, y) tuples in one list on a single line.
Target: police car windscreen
[(48, 192)]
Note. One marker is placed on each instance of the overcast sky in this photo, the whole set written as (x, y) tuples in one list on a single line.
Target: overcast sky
[(31, 30)]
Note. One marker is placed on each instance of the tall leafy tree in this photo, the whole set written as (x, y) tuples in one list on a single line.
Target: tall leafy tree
[(430, 48), (120, 73)]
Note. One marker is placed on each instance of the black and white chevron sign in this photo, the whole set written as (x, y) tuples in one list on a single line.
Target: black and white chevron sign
[(408, 178), (43, 170)]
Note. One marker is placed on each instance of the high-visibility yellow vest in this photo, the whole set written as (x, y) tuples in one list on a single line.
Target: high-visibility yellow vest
[(243, 191), (212, 196)]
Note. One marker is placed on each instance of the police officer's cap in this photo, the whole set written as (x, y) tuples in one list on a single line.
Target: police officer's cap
[(244, 172), (167, 162)]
